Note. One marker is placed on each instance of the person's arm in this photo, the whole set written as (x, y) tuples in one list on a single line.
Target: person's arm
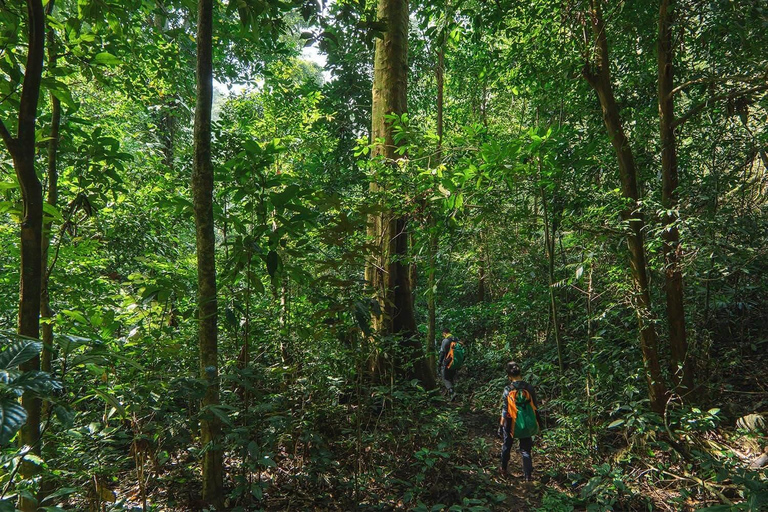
[(504, 397), (502, 420)]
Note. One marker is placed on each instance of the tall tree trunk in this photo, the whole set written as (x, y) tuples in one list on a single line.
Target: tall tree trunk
[(600, 80), (202, 192), (388, 273), (433, 245), (431, 286), (481, 277), (682, 369), (549, 242), (46, 313), (52, 199), (22, 150)]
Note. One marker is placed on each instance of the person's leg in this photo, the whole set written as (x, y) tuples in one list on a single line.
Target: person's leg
[(448, 376), (526, 447), (506, 448)]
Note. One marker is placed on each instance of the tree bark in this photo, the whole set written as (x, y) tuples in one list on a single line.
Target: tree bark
[(481, 277), (387, 272), (46, 313), (549, 242), (681, 367), (599, 79), (53, 194), (202, 192), (22, 150), (432, 221)]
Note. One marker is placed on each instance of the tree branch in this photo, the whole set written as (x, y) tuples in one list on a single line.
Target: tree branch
[(714, 80), (704, 104)]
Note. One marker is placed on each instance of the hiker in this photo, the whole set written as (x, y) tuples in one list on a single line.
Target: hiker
[(519, 419), (444, 362)]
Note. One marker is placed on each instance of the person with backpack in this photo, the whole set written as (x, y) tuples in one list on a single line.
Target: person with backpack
[(519, 419), (450, 360)]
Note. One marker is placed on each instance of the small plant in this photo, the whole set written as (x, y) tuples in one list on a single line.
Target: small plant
[(605, 489), (695, 420), (15, 382)]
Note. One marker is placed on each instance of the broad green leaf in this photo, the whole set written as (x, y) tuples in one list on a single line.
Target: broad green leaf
[(76, 316), (110, 399), (64, 491), (37, 381), (19, 353), (106, 59), (60, 90), (53, 212), (12, 417), (279, 199)]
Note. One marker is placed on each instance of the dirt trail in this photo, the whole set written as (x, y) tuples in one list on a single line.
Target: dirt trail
[(478, 460)]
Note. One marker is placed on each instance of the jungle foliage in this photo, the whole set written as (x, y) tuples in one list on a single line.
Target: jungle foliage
[(580, 186)]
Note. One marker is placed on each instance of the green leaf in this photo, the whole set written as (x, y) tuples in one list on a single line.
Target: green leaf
[(220, 411), (12, 417), (64, 415), (113, 401), (64, 491), (106, 59), (279, 199), (616, 423), (76, 316), (37, 381), (60, 90), (53, 212), (19, 353)]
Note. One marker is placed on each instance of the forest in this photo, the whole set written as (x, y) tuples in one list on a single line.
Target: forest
[(240, 240)]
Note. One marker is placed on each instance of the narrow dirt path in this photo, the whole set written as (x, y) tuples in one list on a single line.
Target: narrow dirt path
[(478, 462)]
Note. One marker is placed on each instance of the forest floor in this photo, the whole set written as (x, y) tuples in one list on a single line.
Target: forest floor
[(463, 471), (482, 467)]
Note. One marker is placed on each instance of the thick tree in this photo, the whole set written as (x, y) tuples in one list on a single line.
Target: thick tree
[(598, 75), (202, 193), (682, 367), (388, 273)]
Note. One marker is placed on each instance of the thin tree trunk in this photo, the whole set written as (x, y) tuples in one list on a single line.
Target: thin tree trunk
[(46, 313), (549, 242), (481, 278), (22, 150), (202, 192), (432, 221), (52, 199), (590, 362), (387, 273), (431, 285), (600, 80), (682, 369)]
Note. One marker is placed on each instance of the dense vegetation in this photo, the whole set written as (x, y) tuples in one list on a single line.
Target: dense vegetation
[(224, 264)]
